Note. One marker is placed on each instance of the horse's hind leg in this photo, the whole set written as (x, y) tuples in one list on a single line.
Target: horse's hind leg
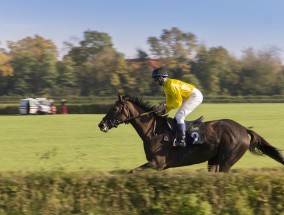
[(213, 168), (231, 156), (225, 167), (213, 165), (221, 165)]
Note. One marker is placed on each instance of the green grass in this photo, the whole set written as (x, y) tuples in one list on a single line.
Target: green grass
[(74, 142)]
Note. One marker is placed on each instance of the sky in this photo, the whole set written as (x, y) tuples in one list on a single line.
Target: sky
[(234, 24)]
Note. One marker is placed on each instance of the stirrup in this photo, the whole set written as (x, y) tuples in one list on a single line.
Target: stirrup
[(197, 143), (176, 143)]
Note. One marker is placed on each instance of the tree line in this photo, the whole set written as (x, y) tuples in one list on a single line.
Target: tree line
[(93, 67)]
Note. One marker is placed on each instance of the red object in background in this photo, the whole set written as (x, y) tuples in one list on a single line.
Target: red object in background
[(64, 109), (53, 109)]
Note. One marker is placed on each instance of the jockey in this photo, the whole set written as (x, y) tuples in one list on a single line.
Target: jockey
[(180, 95)]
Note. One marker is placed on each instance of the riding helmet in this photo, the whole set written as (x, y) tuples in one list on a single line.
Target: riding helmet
[(159, 72)]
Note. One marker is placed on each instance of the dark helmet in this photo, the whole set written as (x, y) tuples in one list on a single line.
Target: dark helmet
[(159, 72)]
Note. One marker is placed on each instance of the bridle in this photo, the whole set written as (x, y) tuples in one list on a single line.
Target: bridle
[(115, 122)]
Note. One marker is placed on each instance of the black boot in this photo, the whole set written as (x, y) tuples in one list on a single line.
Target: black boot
[(180, 141)]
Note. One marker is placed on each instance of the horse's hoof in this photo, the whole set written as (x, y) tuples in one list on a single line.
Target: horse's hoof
[(131, 171)]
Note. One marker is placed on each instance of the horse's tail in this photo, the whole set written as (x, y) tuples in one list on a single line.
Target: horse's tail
[(259, 146)]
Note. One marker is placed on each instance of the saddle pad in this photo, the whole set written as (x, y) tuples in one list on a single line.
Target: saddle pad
[(195, 134)]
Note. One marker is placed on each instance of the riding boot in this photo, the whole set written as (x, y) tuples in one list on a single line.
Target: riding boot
[(180, 141)]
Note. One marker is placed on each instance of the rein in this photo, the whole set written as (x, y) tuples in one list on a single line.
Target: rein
[(140, 115)]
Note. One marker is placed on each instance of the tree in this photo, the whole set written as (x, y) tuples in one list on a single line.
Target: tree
[(24, 79), (66, 77), (175, 48), (122, 79), (216, 70), (100, 69), (261, 72), (34, 63), (93, 42), (142, 55), (139, 68), (279, 88), (6, 72), (5, 64)]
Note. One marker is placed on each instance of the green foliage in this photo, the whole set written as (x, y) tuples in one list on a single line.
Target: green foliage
[(5, 66), (34, 62), (94, 67), (217, 71), (175, 49), (173, 43), (100, 69), (145, 193), (66, 77), (261, 72)]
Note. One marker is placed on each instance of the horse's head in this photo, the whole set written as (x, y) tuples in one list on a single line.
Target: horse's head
[(118, 113)]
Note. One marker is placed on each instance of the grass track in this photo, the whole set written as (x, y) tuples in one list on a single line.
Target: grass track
[(74, 142)]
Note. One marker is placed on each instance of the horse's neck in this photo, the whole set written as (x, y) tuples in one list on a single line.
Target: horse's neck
[(144, 125)]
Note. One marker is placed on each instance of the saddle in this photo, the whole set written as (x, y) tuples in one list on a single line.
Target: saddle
[(194, 131)]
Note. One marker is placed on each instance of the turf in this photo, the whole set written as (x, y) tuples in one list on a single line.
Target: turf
[(74, 142)]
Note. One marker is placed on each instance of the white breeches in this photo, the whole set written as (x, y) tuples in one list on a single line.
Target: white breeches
[(189, 105)]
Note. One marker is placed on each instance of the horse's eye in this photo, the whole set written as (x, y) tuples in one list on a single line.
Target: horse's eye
[(115, 109)]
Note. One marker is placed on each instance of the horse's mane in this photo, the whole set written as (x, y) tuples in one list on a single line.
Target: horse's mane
[(140, 102), (144, 105)]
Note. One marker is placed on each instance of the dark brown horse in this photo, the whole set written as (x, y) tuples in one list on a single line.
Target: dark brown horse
[(225, 141)]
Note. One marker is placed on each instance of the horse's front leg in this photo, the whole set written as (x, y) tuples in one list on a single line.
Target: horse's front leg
[(147, 165)]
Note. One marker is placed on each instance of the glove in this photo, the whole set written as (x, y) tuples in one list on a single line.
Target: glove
[(161, 109)]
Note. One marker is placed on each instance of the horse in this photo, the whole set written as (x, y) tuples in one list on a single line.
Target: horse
[(224, 141)]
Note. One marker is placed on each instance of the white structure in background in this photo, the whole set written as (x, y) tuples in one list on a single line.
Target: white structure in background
[(35, 106)]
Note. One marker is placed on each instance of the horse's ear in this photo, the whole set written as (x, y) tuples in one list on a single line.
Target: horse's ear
[(120, 97)]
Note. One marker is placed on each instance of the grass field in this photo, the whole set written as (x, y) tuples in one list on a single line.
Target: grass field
[(74, 142)]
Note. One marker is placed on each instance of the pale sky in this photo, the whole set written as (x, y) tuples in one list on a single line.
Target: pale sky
[(234, 24)]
